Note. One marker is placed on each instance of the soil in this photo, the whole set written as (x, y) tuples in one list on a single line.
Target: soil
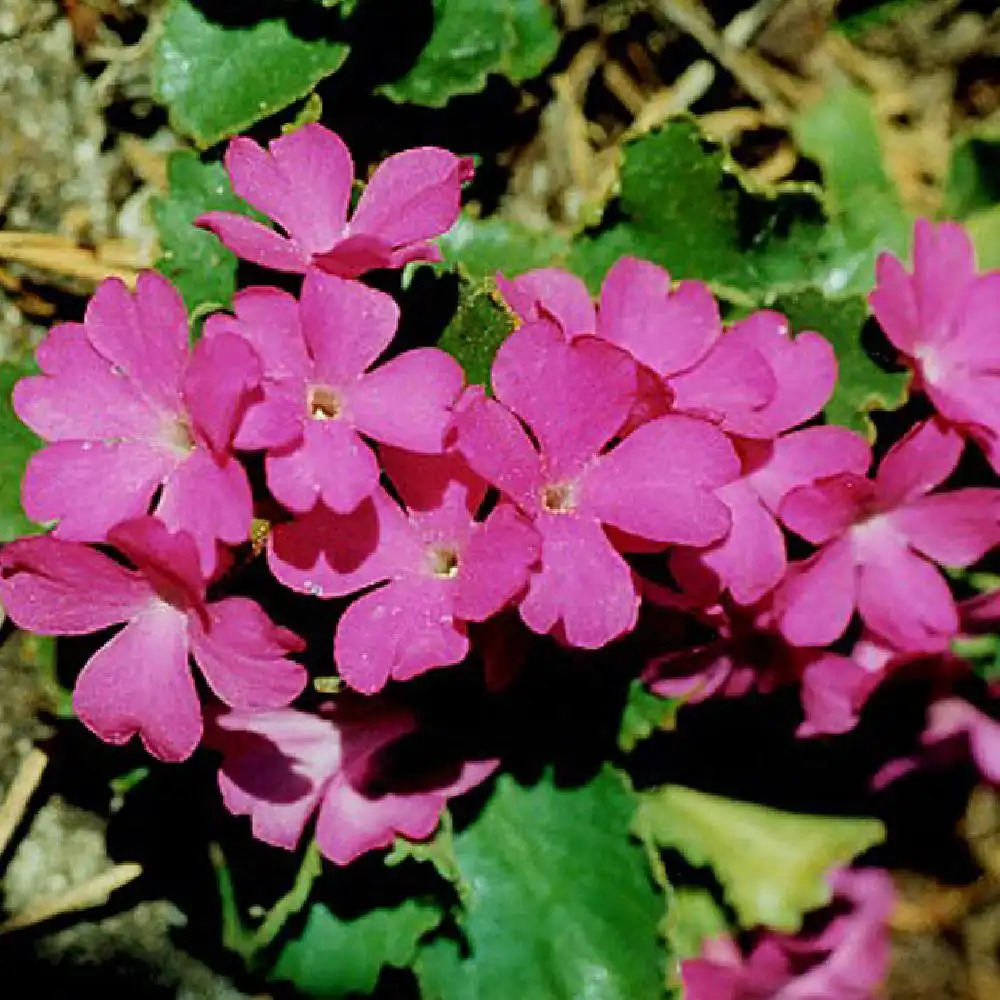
[(82, 149)]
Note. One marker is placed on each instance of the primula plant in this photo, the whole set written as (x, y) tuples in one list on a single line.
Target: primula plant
[(438, 598)]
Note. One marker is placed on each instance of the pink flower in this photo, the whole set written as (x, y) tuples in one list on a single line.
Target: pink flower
[(575, 398), (303, 182), (321, 391), (281, 767), (846, 959), (879, 541), (942, 317), (751, 560), (440, 569), (140, 681), (687, 364), (130, 412)]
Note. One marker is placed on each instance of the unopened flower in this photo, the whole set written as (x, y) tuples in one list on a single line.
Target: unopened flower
[(322, 389), (303, 182), (140, 681)]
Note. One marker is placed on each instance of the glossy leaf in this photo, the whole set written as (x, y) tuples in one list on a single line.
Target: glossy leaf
[(218, 79), (561, 906), (17, 444), (480, 325), (480, 248), (772, 865)]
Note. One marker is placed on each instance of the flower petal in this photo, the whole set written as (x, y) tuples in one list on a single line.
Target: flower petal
[(145, 335), (243, 656), (542, 378), (59, 404), (584, 584), (668, 331), (918, 462), (826, 509), (429, 482), (399, 631), (412, 196), (91, 486), (275, 767), (140, 683), (54, 587), (954, 529), (407, 401), (634, 489), (496, 564), (255, 242), (815, 603), (331, 464), (346, 326), (550, 292)]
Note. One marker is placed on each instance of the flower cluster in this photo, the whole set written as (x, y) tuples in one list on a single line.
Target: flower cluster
[(639, 426)]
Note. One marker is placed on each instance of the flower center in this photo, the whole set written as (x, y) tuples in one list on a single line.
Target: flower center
[(324, 403), (559, 498), (443, 563), (177, 436)]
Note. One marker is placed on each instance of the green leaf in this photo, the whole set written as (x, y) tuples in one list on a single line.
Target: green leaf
[(472, 39), (839, 132), (481, 247), (682, 205), (194, 259), (984, 231), (862, 386), (17, 444), (438, 851), (335, 958), (217, 80), (694, 917), (645, 713), (772, 865), (973, 182), (562, 906), (480, 325)]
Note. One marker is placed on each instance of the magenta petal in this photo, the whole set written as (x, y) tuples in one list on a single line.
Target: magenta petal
[(327, 554), (749, 562), (140, 682), (168, 560), (729, 386), (906, 601), (346, 326), (255, 242), (59, 405), (268, 319), (834, 689), (412, 196), (668, 331), (952, 717), (805, 370), (145, 335), (398, 631), (243, 656), (495, 445), (275, 419), (815, 603), (827, 509), (64, 588), (584, 584), (496, 564), (429, 482), (804, 456), (209, 498), (331, 464), (635, 489), (407, 401), (921, 460), (553, 293), (954, 529), (91, 486), (355, 256), (275, 767), (223, 372), (542, 378)]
